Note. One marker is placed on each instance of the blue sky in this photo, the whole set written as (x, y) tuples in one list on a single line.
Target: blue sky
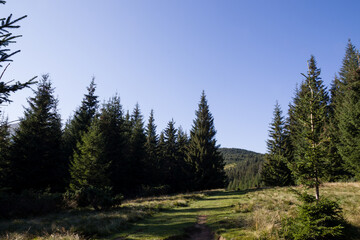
[(163, 53)]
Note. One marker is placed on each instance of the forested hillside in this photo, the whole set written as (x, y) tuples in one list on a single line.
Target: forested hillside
[(242, 168)]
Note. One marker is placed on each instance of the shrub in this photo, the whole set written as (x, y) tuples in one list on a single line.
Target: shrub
[(316, 220), (29, 203), (97, 198)]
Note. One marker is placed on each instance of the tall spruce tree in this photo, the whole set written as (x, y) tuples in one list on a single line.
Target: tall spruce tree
[(137, 155), (349, 124), (275, 171), (112, 128), (310, 114), (203, 153), (338, 170), (100, 162), (151, 146), (171, 162), (79, 123), (36, 161)]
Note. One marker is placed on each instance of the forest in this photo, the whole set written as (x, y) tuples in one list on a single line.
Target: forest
[(105, 155)]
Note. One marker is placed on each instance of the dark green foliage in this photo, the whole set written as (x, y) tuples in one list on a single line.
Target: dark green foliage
[(242, 168), (207, 164), (337, 169), (80, 122), (36, 161), (152, 152), (349, 125), (6, 38), (245, 174), (29, 203), (111, 124), (309, 116), (275, 171), (236, 155), (174, 168), (316, 220), (4, 154), (98, 198), (89, 167)]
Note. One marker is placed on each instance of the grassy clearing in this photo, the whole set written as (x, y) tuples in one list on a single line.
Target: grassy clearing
[(252, 214), (87, 223)]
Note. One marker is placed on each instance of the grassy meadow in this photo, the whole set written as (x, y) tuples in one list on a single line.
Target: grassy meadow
[(251, 214)]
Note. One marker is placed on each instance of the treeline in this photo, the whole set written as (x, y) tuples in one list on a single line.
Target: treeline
[(104, 151), (319, 139)]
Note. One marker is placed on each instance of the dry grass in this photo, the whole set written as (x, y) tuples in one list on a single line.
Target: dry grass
[(82, 224)]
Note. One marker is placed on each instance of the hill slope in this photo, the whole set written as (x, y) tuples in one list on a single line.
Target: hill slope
[(242, 168)]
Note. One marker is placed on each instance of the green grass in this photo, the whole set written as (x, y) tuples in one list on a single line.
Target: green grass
[(252, 214), (85, 223)]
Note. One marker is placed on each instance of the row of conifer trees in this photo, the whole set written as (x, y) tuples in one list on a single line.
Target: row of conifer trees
[(319, 140), (105, 148)]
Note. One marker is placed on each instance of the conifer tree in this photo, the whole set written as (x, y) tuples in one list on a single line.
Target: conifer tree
[(81, 121), (100, 162), (310, 113), (89, 168), (137, 153), (349, 124), (36, 161), (151, 146), (337, 169), (203, 153), (171, 164), (111, 124), (275, 171)]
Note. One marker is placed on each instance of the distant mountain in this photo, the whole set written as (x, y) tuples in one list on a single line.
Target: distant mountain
[(242, 168), (235, 155)]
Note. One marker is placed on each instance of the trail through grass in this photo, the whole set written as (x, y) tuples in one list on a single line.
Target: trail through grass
[(252, 214)]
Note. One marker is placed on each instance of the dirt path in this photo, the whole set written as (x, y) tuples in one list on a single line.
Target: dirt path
[(200, 231)]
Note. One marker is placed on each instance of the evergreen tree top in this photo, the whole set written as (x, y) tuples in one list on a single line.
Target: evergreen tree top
[(275, 143), (350, 63), (151, 136)]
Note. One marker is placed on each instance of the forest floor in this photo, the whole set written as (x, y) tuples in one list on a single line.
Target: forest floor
[(217, 214)]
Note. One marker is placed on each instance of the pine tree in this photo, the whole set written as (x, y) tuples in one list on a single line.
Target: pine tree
[(275, 171), (171, 166), (89, 168), (111, 124), (79, 123), (310, 113), (349, 125), (151, 146), (204, 157), (337, 170), (36, 161), (137, 153)]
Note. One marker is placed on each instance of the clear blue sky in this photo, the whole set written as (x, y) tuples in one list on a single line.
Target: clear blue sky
[(163, 53)]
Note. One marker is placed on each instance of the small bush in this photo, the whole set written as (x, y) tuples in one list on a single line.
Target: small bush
[(29, 203), (316, 220), (97, 198), (148, 191)]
